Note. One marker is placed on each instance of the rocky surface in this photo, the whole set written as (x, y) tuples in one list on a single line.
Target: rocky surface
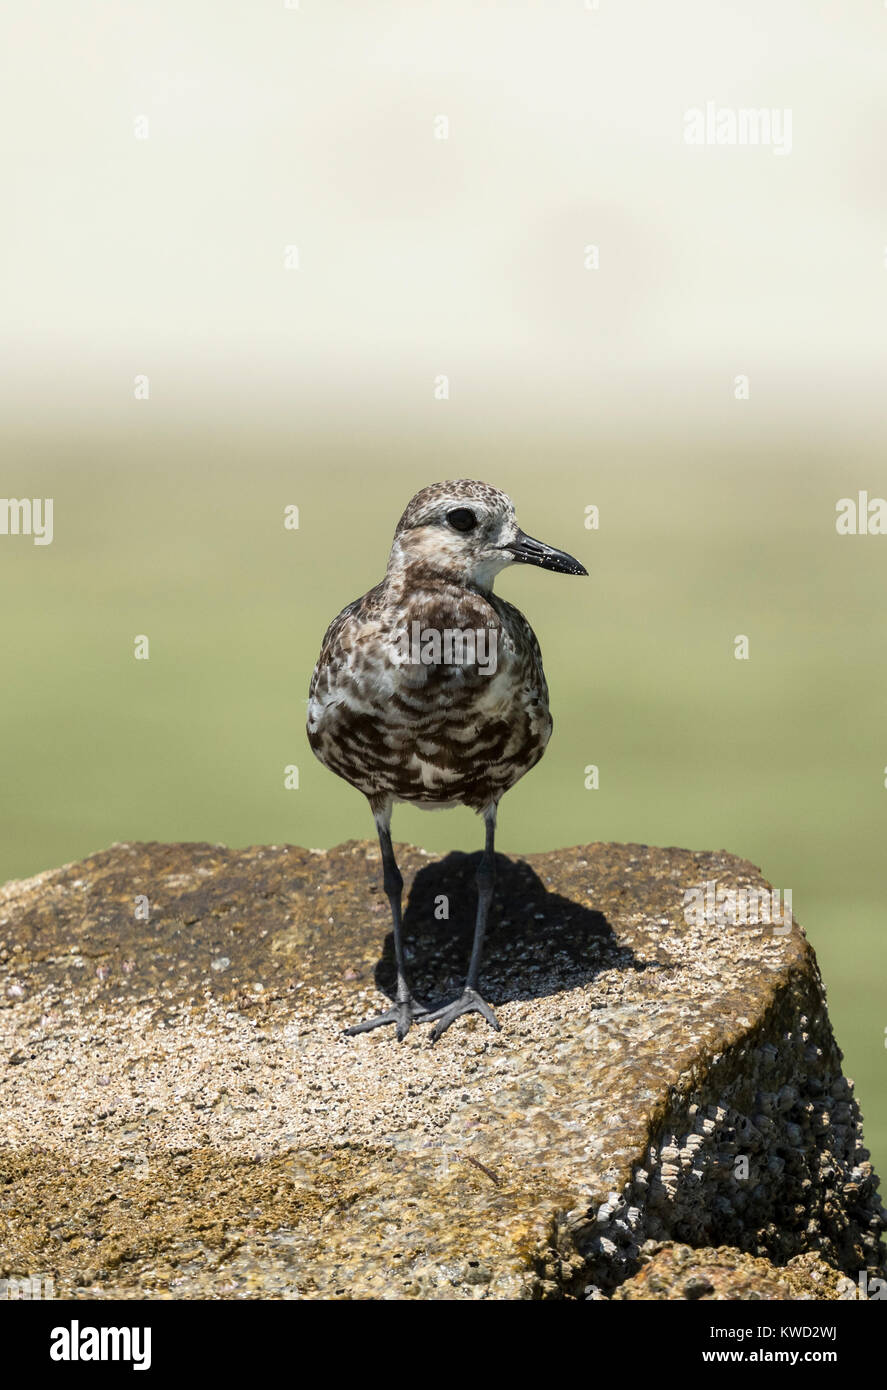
[(669, 1272), (181, 1115)]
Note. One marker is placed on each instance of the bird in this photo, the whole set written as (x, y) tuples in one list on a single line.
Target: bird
[(429, 690)]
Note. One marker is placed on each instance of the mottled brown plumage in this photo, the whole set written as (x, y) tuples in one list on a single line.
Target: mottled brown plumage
[(436, 732)]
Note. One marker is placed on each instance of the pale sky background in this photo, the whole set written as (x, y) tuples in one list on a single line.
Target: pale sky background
[(314, 127)]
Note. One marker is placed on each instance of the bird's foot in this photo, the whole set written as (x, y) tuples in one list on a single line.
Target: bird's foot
[(403, 1013), (469, 1003)]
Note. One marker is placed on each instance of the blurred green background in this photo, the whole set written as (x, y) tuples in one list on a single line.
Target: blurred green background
[(161, 161), (780, 758)]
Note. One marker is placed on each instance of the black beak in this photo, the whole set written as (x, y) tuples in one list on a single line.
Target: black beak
[(529, 552)]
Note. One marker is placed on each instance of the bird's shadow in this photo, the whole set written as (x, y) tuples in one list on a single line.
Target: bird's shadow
[(538, 943)]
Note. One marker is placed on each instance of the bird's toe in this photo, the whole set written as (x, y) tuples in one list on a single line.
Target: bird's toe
[(469, 1002), (403, 1013)]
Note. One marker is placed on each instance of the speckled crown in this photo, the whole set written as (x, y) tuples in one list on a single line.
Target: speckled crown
[(421, 507)]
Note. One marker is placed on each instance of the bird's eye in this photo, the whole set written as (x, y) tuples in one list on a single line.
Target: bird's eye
[(462, 519)]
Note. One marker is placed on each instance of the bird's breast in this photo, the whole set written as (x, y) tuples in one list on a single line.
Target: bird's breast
[(431, 706)]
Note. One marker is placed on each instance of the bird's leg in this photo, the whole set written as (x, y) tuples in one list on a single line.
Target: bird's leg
[(471, 1001), (406, 1008)]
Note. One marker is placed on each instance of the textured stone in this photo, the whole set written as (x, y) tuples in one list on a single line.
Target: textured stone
[(671, 1272), (181, 1115)]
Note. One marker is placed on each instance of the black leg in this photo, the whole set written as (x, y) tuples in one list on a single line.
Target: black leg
[(406, 1008), (470, 1000)]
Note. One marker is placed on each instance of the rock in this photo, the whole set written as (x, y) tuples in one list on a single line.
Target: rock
[(173, 1128), (670, 1271)]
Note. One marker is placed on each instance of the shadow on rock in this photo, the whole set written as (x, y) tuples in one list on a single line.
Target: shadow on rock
[(537, 943)]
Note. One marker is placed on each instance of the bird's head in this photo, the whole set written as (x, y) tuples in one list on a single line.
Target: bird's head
[(466, 532)]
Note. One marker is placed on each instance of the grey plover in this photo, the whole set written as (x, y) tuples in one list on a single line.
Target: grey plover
[(430, 690)]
